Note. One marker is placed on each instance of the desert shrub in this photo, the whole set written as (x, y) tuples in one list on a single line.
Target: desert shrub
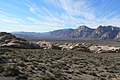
[(60, 63), (1, 69), (10, 70)]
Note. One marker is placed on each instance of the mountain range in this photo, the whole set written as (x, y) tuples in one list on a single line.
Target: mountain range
[(82, 32)]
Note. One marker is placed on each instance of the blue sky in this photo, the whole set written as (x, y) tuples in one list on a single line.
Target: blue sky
[(48, 15)]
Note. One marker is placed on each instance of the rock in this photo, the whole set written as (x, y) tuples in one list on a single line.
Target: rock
[(21, 44), (118, 35), (94, 49), (48, 45), (80, 32), (76, 46), (44, 44), (69, 46), (105, 32), (84, 32), (9, 40), (103, 49)]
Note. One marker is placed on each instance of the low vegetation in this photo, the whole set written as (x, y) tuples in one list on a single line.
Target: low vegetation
[(39, 64)]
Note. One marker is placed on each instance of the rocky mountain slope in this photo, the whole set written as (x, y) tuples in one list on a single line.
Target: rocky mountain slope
[(82, 32), (102, 32), (118, 35), (105, 32), (9, 40)]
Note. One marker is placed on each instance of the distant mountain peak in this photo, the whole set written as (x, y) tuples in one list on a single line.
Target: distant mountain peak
[(82, 27), (83, 32)]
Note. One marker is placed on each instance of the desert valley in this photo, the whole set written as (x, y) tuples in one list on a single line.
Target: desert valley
[(59, 39), (61, 58)]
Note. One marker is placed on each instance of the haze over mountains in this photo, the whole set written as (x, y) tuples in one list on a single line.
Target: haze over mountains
[(82, 32)]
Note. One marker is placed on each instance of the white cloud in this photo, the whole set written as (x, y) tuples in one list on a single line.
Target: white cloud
[(12, 21), (64, 19), (70, 14)]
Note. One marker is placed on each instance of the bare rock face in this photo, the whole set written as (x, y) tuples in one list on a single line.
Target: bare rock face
[(105, 32), (76, 46), (87, 47), (80, 32), (44, 44), (68, 46), (103, 49), (118, 36), (48, 45), (84, 32)]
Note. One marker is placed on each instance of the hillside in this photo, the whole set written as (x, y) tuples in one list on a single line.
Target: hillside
[(37, 64), (9, 40)]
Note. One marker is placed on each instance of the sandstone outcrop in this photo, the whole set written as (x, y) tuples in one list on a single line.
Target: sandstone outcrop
[(48, 45), (9, 40), (21, 44), (103, 49)]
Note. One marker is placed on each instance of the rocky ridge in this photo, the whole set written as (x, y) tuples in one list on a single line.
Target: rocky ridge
[(9, 40), (84, 32)]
